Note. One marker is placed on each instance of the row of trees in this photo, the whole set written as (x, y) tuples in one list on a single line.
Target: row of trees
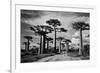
[(43, 30)]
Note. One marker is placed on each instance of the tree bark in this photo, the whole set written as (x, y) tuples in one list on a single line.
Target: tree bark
[(39, 51), (28, 43), (42, 44), (60, 47), (67, 46), (47, 44), (55, 39), (44, 36), (81, 43), (26, 46)]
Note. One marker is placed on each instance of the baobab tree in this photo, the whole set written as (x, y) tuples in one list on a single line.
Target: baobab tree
[(42, 30), (25, 43), (54, 23), (45, 30), (60, 40), (80, 26), (28, 38), (48, 40), (38, 31), (39, 49), (67, 41)]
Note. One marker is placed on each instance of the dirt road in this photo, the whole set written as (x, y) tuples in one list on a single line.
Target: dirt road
[(62, 57)]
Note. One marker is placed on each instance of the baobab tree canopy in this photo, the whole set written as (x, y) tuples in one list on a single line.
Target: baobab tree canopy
[(53, 22), (67, 40), (61, 30), (28, 37), (42, 29), (60, 38), (49, 38), (80, 25)]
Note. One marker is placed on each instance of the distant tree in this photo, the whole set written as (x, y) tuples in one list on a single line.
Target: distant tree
[(25, 43), (48, 39), (80, 26), (61, 30), (60, 40), (29, 38), (37, 31), (67, 41), (54, 23), (86, 50)]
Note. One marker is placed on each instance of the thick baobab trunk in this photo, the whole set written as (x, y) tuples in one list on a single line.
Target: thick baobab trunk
[(60, 46), (47, 44), (28, 43), (26, 46), (81, 43), (42, 44), (67, 46), (39, 51), (55, 39), (44, 36)]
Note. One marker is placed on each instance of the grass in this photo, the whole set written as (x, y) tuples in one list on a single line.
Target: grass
[(30, 58), (75, 54)]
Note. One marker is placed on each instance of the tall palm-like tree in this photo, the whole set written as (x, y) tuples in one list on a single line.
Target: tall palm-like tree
[(67, 41), (42, 30), (60, 40), (80, 26), (29, 38), (54, 23)]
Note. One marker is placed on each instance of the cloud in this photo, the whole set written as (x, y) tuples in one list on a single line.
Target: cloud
[(36, 17), (76, 37), (80, 14), (75, 41), (65, 19), (81, 19), (27, 14)]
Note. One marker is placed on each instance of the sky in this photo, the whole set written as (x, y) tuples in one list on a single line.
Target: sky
[(37, 17)]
